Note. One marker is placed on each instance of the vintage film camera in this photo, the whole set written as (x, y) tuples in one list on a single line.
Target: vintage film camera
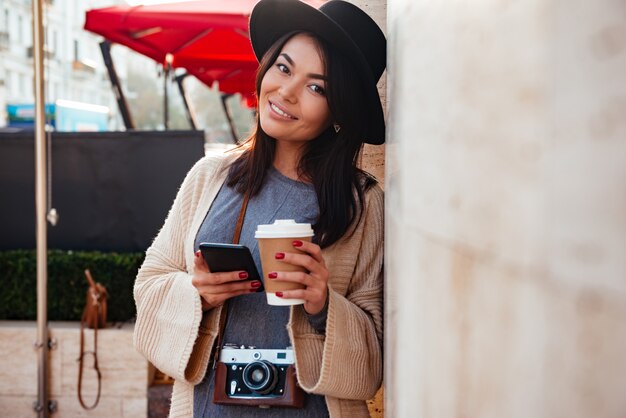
[(255, 377)]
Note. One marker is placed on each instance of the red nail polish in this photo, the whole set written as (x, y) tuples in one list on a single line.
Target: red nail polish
[(243, 275), (297, 243), (197, 253), (255, 284), (280, 256), (279, 294), (272, 275)]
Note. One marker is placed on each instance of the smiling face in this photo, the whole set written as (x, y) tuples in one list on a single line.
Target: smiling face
[(292, 100)]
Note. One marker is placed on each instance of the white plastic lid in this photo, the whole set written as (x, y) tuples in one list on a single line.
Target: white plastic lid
[(284, 228)]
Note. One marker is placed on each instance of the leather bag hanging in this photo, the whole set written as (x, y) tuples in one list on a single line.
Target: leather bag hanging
[(94, 317)]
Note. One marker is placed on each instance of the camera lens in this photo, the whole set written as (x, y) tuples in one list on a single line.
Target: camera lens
[(257, 376), (260, 377)]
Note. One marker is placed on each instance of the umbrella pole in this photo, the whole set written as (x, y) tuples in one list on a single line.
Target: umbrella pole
[(229, 117), (191, 114), (42, 406), (166, 116), (105, 49)]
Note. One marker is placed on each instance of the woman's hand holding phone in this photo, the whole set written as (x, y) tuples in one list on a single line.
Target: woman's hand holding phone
[(216, 288)]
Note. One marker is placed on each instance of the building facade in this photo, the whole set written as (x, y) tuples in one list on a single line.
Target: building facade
[(74, 69)]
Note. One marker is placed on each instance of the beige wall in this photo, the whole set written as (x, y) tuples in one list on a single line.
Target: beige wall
[(373, 159), (506, 209), (124, 372)]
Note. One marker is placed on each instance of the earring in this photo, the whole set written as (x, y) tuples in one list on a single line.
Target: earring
[(336, 127)]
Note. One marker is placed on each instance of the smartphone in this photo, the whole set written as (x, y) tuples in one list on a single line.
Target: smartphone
[(230, 257)]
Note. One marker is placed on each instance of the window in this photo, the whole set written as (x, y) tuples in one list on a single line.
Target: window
[(5, 33), (7, 82), (57, 91), (22, 84), (6, 20), (20, 24), (55, 40), (29, 86), (12, 84)]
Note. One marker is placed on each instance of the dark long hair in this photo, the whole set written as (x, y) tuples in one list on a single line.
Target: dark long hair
[(328, 161)]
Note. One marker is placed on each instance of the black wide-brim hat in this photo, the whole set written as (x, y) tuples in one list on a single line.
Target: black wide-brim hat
[(343, 25)]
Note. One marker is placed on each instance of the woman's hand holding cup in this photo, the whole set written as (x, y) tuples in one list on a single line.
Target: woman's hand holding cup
[(293, 268), (314, 279), (216, 288)]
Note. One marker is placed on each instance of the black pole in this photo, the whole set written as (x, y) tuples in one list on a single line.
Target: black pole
[(191, 114), (105, 48), (229, 117), (166, 114)]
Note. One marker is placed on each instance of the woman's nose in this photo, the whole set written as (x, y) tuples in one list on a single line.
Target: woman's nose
[(287, 92)]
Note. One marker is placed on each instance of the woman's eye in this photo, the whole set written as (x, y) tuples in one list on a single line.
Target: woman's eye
[(318, 89), (282, 68)]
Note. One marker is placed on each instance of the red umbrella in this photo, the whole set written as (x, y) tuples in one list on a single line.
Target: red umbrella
[(208, 38)]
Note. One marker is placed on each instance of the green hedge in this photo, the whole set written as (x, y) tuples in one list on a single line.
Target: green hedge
[(67, 284)]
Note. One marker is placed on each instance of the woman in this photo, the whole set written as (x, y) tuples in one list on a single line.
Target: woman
[(318, 103)]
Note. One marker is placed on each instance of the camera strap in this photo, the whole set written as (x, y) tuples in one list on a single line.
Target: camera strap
[(224, 314)]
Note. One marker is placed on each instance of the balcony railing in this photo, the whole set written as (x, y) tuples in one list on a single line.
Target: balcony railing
[(84, 66), (48, 54)]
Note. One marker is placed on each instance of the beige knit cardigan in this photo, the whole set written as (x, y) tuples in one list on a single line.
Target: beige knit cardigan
[(175, 335)]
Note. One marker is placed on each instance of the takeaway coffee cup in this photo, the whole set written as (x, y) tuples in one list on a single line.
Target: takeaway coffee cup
[(278, 238)]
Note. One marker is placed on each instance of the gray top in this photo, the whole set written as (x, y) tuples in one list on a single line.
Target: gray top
[(251, 321)]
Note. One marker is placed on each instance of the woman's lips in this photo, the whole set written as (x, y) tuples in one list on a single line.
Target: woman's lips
[(280, 111)]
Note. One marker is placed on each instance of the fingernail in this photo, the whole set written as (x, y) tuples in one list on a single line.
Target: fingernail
[(255, 284), (197, 253), (272, 275), (279, 294), (280, 256), (297, 243), (243, 275)]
